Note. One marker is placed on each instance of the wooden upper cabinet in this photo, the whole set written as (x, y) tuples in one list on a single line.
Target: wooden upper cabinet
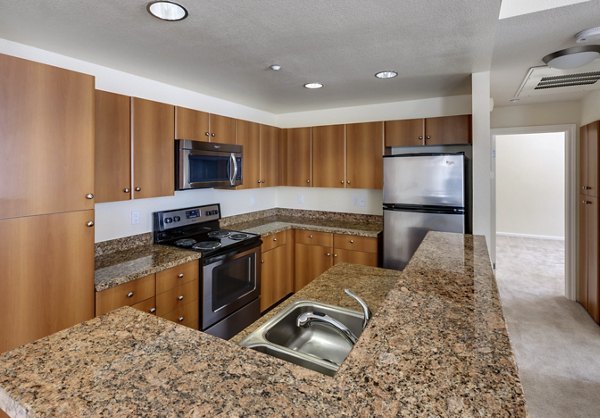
[(191, 124), (328, 160), (588, 159), (364, 155), (153, 149), (404, 133), (46, 275), (46, 139), (298, 157), (248, 136), (448, 130), (113, 147), (203, 126), (269, 156)]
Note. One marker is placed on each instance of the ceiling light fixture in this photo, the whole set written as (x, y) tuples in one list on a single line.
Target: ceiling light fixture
[(167, 10), (313, 85), (591, 34), (275, 67), (386, 74), (574, 57)]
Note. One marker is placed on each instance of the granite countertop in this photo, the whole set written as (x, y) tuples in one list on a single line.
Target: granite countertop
[(437, 346), (274, 224), (123, 266)]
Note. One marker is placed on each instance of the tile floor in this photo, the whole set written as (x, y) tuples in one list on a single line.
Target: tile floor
[(556, 344)]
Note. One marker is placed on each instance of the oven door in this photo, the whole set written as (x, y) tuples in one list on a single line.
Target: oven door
[(230, 281)]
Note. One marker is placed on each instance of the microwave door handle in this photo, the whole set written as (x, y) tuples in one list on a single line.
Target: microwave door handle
[(235, 169), (232, 165)]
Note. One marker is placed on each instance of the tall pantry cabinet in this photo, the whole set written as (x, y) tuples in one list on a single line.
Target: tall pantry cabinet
[(46, 200)]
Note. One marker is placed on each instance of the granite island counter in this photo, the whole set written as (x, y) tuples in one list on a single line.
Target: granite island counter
[(436, 346)]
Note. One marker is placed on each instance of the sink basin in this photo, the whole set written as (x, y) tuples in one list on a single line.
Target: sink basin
[(318, 347)]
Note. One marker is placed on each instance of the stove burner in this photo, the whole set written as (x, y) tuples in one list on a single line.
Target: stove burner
[(238, 237), (186, 242), (206, 245), (219, 234)]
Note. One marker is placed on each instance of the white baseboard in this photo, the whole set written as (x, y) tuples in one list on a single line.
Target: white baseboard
[(512, 234)]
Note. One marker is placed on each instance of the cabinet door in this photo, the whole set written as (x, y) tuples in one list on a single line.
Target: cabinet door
[(310, 262), (269, 156), (448, 130), (277, 276), (191, 124), (126, 294), (592, 160), (46, 275), (355, 257), (298, 157), (153, 149), (47, 139), (328, 156), (248, 136), (364, 155), (222, 129), (404, 133), (113, 147)]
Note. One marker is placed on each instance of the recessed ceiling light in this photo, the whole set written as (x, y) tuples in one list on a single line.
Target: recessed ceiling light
[(167, 10), (313, 85), (386, 74), (275, 67), (587, 35), (573, 57)]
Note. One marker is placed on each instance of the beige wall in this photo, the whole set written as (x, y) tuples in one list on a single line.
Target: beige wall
[(590, 108), (559, 113), (530, 185)]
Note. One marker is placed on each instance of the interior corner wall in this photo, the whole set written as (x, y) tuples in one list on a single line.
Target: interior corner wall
[(530, 185), (537, 114), (590, 108)]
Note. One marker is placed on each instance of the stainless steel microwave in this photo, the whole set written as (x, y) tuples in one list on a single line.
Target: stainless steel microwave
[(200, 164)]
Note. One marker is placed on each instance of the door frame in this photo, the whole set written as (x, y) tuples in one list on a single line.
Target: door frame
[(570, 131)]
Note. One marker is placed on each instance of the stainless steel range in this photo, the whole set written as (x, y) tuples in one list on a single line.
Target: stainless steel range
[(230, 274)]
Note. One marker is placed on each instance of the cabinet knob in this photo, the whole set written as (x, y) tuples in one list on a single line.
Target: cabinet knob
[(351, 241), (180, 319), (586, 188), (587, 202), (152, 310), (420, 138), (342, 181), (335, 255), (180, 275), (347, 181), (212, 134), (126, 190), (274, 239), (258, 181), (138, 189), (427, 137), (89, 196), (207, 133), (130, 294), (180, 297), (328, 254), (310, 236), (307, 181), (90, 224)]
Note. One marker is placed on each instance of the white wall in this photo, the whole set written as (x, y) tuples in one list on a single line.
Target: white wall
[(558, 113), (530, 185), (366, 201), (590, 108)]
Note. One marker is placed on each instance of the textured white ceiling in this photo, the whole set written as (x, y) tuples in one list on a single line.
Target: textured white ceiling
[(224, 48)]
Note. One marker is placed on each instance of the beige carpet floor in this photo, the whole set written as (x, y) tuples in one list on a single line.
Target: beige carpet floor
[(556, 344)]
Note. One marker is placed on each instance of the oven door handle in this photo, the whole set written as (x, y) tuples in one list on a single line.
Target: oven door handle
[(232, 255)]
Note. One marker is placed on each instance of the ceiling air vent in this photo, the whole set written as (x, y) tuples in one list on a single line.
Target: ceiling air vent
[(545, 80)]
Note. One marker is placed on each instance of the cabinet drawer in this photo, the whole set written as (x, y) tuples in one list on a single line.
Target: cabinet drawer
[(355, 257), (179, 295), (355, 243), (126, 294), (324, 239), (187, 315), (148, 305), (274, 241), (168, 279)]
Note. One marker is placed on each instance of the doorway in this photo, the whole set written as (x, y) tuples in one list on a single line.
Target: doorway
[(533, 202)]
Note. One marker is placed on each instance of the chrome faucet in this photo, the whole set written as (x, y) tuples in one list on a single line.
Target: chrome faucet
[(366, 311), (307, 318)]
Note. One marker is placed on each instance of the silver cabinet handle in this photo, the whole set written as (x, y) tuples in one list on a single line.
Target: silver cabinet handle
[(126, 190), (130, 294), (90, 224), (89, 196), (180, 297), (152, 310), (586, 188), (180, 319), (587, 202), (138, 189), (180, 275)]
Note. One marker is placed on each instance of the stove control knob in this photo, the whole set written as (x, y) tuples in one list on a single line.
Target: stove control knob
[(168, 220), (176, 218)]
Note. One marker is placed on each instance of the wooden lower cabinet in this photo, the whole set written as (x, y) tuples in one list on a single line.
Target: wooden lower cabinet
[(355, 257), (588, 291), (310, 262), (46, 275), (126, 294), (277, 272)]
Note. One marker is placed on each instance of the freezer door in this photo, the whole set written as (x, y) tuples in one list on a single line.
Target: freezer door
[(436, 180), (403, 232)]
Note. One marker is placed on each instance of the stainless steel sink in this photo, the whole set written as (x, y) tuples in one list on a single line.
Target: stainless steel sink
[(318, 347)]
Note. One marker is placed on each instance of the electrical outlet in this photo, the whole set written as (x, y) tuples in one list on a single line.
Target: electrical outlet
[(135, 217)]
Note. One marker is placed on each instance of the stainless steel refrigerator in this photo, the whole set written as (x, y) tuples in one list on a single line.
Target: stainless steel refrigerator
[(421, 192)]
